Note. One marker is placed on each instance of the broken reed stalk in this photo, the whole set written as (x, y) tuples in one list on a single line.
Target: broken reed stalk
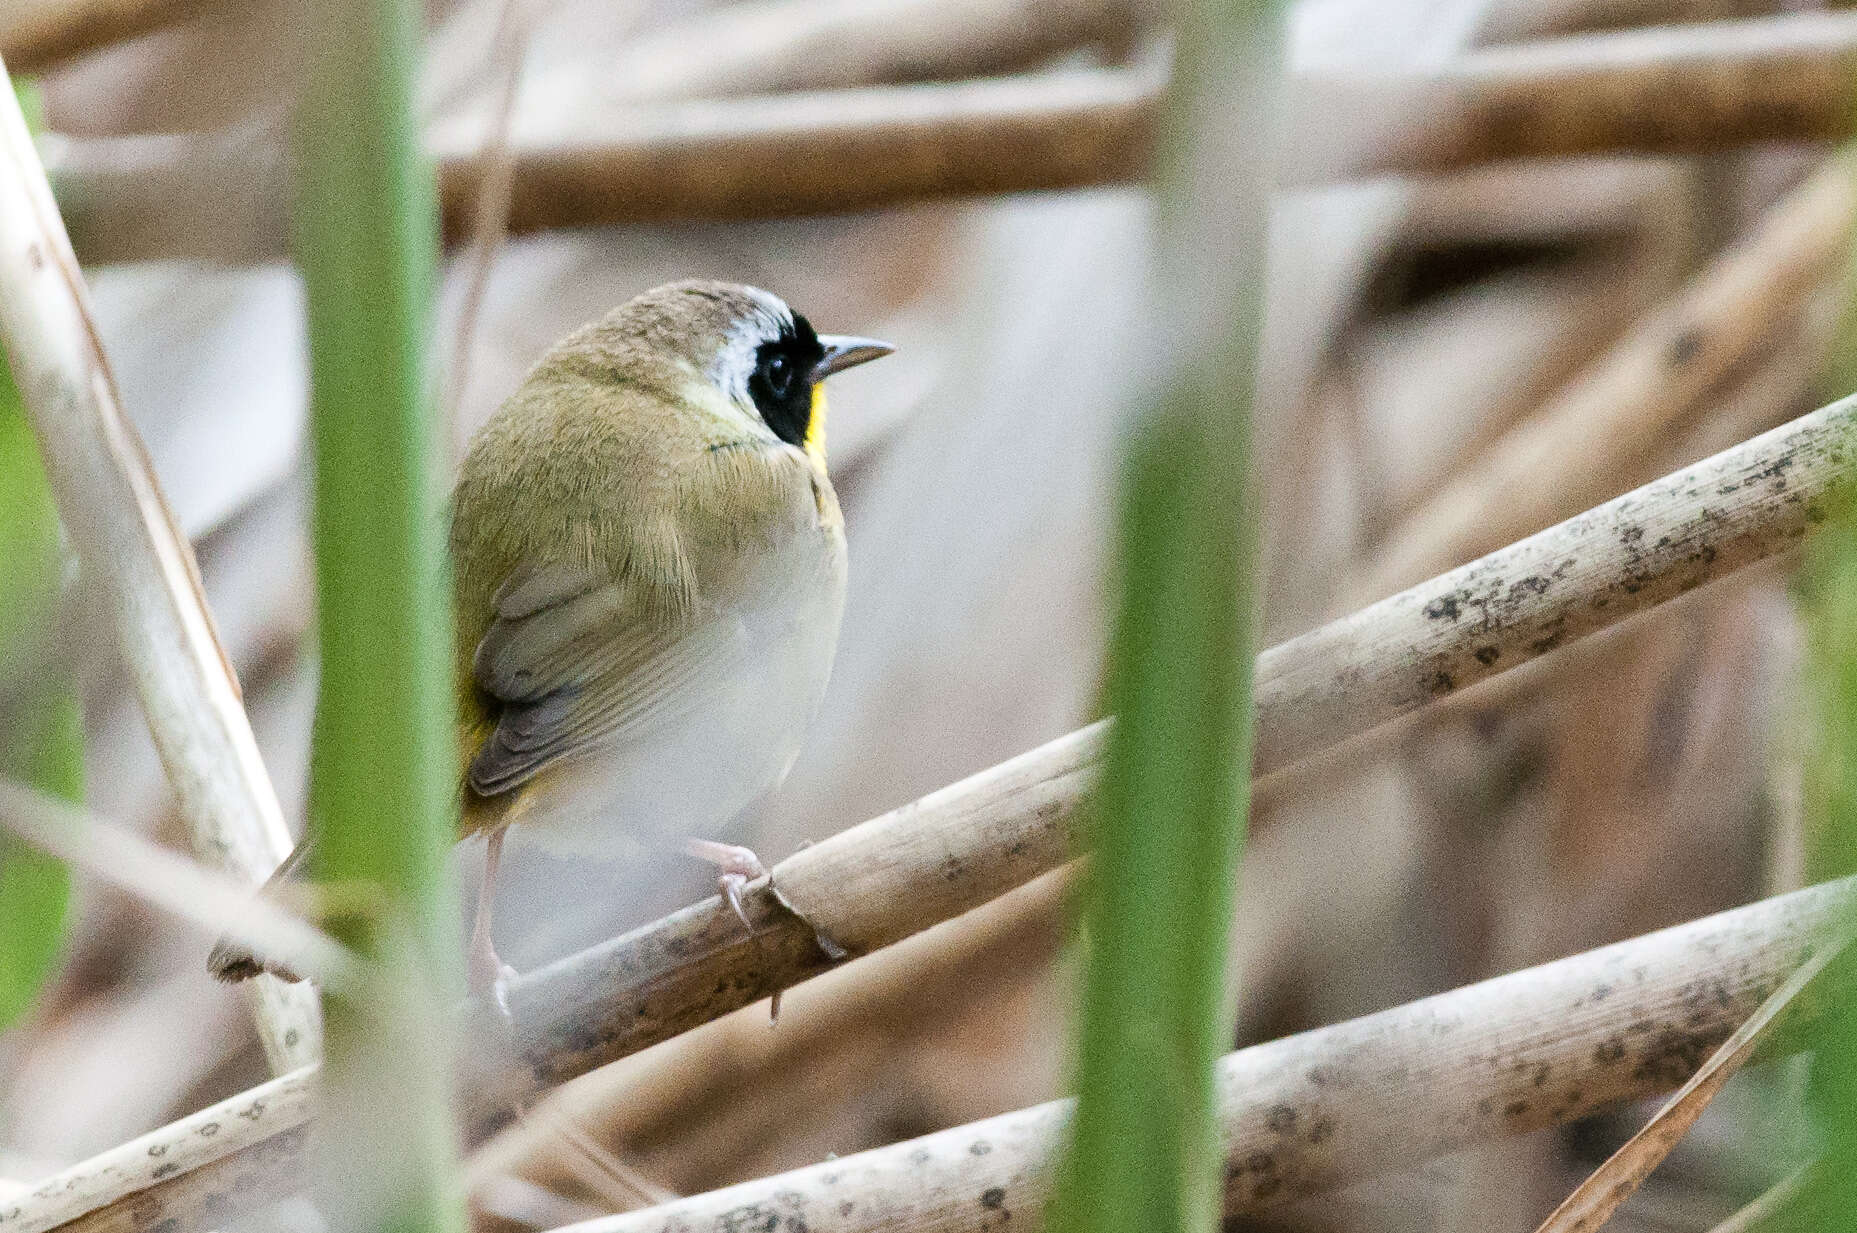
[(130, 549), (1673, 89), (35, 34), (1375, 1095), (958, 848), (1371, 1096), (1627, 402)]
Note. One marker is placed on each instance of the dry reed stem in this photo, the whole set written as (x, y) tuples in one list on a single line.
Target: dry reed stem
[(129, 548), (217, 196), (1596, 1199), (817, 152), (1769, 388), (957, 848), (773, 45), (1666, 89), (35, 34), (221, 195), (1546, 203), (960, 847), (663, 1086), (736, 1063), (236, 1154), (1627, 402), (1673, 89), (1750, 402), (1375, 1095), (1745, 504), (1510, 21)]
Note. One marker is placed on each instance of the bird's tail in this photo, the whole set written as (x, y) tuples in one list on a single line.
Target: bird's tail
[(233, 961)]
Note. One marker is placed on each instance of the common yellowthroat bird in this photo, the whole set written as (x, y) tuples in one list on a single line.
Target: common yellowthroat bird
[(648, 566)]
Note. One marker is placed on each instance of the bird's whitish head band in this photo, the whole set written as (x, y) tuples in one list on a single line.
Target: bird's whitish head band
[(746, 343)]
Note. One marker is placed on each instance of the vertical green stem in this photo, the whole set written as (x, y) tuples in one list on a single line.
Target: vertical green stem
[(1829, 605), (1830, 608), (1169, 819), (41, 726), (383, 763)]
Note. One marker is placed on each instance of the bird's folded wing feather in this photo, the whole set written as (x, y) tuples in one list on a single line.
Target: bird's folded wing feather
[(572, 663)]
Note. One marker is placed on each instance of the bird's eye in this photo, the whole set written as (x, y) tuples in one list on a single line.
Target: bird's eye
[(779, 372), (779, 386)]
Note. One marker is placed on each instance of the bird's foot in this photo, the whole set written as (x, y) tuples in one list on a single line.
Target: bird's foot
[(737, 867), (489, 977)]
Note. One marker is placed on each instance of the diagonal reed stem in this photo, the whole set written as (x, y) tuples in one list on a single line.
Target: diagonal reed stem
[(128, 546), (955, 849)]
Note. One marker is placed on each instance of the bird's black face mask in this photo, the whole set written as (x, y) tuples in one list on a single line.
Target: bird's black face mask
[(783, 378)]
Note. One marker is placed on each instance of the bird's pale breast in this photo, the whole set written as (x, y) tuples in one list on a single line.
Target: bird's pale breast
[(717, 720)]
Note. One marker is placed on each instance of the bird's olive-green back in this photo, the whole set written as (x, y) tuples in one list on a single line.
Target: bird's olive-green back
[(618, 455)]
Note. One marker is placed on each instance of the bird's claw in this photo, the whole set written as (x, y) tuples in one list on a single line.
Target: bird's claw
[(737, 867), (731, 885)]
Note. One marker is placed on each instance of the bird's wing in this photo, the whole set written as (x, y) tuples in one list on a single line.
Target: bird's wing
[(571, 660)]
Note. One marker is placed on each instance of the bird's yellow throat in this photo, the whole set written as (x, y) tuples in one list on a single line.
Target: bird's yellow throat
[(815, 427)]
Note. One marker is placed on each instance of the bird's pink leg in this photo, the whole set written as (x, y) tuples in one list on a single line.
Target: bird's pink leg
[(737, 866), (488, 973)]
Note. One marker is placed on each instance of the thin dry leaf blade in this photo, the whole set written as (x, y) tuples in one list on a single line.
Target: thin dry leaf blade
[(172, 883)]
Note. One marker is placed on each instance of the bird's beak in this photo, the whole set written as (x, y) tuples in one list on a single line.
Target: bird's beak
[(843, 351)]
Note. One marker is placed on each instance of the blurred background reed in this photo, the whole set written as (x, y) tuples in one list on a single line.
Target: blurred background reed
[(1526, 255)]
